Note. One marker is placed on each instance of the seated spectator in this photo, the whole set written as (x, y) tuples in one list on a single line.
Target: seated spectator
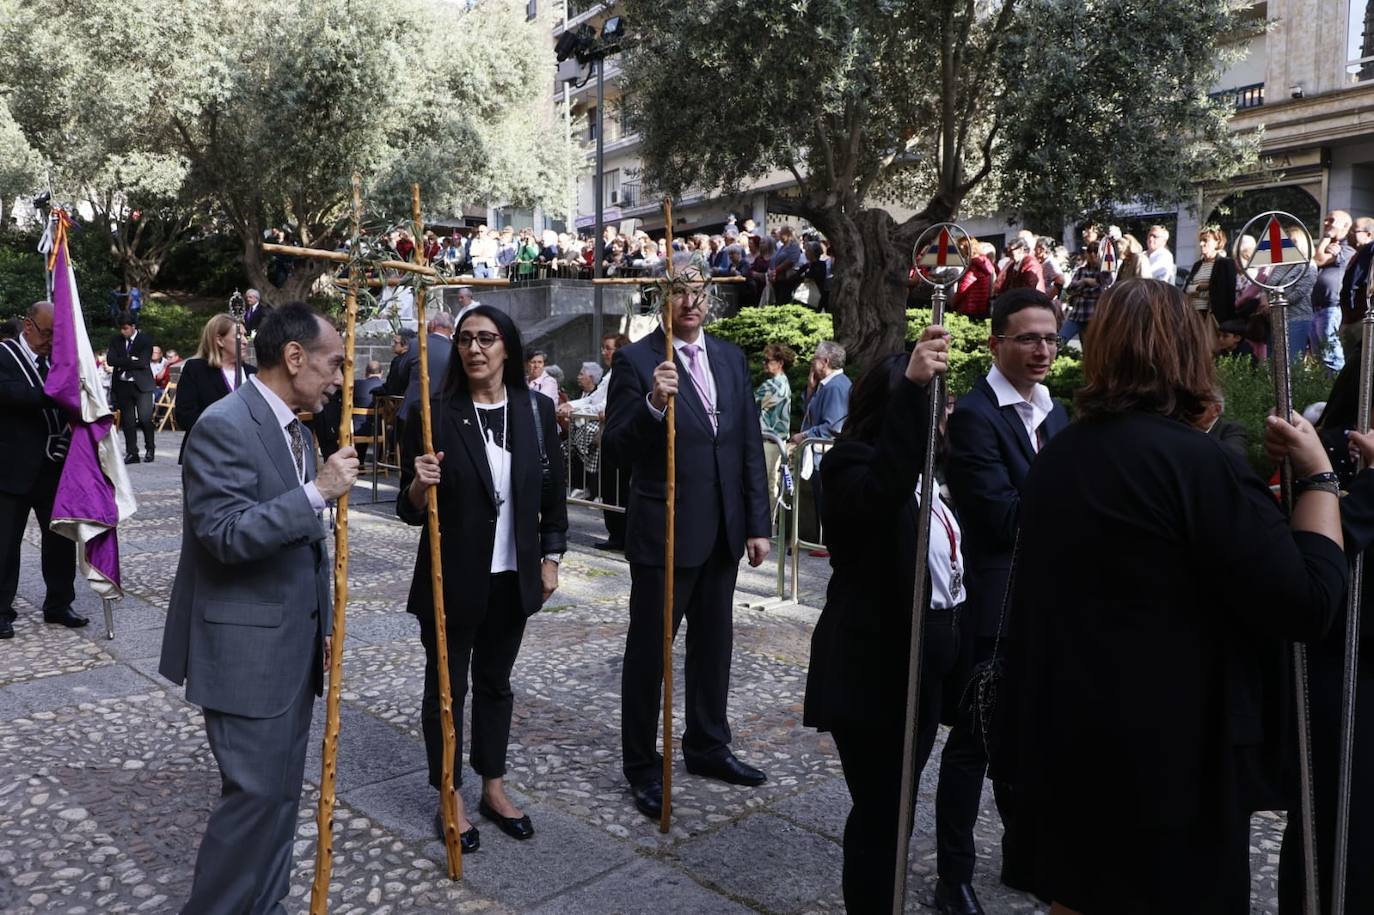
[(538, 379), (585, 439)]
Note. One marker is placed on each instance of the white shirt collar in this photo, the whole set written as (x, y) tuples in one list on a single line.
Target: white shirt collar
[(829, 378), (1008, 396), (28, 351), (280, 410)]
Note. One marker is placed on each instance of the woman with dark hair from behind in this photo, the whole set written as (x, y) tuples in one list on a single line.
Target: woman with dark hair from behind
[(1326, 666), (1138, 719), (505, 530), (856, 685)]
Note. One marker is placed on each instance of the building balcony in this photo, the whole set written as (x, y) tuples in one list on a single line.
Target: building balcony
[(1241, 98)]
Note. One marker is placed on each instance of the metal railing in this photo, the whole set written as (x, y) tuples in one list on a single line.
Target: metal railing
[(1242, 97), (816, 448), (588, 484)]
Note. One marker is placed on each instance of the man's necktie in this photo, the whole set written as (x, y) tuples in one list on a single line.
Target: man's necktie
[(692, 351), (293, 429), (43, 367)]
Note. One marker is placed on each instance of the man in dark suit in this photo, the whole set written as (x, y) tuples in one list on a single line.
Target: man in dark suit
[(722, 513), (130, 355), (254, 311), (249, 618), (440, 345), (34, 440), (994, 434)]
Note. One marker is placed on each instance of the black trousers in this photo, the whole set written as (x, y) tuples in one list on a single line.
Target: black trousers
[(136, 412), (1325, 675), (614, 490), (704, 595), (58, 553), (962, 767), (489, 650), (872, 761)]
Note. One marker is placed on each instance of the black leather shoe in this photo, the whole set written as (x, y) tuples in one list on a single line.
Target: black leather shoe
[(148, 457), (649, 799), (468, 841), (956, 899), (515, 827), (131, 458), (730, 770), (66, 616), (6, 629)]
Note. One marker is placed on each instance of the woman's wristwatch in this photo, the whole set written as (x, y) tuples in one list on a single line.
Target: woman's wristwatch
[(1321, 482)]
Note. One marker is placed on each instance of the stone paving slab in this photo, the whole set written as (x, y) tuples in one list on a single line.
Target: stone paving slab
[(756, 860), (642, 887), (65, 690)]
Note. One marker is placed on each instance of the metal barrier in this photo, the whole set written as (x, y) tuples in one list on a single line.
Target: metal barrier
[(817, 447), (586, 471)]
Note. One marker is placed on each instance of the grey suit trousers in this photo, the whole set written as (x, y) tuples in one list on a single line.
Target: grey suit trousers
[(244, 863)]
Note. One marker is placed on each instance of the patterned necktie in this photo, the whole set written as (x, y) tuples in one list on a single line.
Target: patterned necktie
[(43, 367), (691, 351), (293, 429)]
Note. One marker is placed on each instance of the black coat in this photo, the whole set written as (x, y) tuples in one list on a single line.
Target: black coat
[(720, 476), (1221, 286), (32, 430), (989, 457), (1155, 584), (200, 385), (468, 509), (134, 357), (859, 649)]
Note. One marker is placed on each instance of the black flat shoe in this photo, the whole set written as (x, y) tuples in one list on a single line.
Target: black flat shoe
[(730, 770), (648, 799), (956, 899), (6, 629), (614, 545), (66, 616), (131, 458), (468, 841), (516, 827)]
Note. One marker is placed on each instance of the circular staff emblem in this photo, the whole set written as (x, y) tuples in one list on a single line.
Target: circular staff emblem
[(1283, 247), (937, 256)]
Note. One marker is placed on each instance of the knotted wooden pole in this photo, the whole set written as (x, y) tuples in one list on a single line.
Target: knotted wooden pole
[(324, 821), (665, 817), (448, 795)]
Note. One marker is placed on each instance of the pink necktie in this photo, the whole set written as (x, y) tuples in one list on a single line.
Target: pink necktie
[(690, 350)]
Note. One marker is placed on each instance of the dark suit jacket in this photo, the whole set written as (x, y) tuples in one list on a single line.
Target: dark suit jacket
[(1221, 287), (136, 361), (250, 602), (32, 431), (989, 457), (859, 648), (253, 319), (1145, 678), (720, 478), (826, 410), (199, 386), (440, 349), (468, 510)]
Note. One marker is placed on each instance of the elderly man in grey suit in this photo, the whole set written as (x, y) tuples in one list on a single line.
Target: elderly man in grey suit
[(248, 626)]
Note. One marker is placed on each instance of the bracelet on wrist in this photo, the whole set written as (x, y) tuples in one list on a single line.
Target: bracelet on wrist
[(1326, 481)]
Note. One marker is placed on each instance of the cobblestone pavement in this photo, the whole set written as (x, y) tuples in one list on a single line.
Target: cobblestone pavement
[(106, 779)]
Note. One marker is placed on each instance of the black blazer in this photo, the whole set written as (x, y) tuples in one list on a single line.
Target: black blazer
[(1221, 287), (136, 361), (721, 485), (33, 434), (468, 510), (857, 674), (253, 319), (989, 457), (1151, 673), (200, 385)]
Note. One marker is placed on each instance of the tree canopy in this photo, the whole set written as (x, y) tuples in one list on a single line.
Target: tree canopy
[(1047, 108), (249, 114)]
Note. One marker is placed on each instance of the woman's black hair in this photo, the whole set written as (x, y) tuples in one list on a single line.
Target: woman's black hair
[(513, 374), (869, 397)]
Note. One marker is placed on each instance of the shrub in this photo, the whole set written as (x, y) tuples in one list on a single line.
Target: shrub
[(1249, 393)]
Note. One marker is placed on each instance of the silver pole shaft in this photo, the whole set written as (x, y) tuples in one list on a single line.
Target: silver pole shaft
[(918, 616), (1353, 608), (1283, 397)]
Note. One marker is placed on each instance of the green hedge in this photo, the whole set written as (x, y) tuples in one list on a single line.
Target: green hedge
[(1248, 389)]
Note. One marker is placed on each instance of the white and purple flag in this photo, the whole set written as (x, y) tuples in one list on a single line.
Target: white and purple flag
[(93, 494)]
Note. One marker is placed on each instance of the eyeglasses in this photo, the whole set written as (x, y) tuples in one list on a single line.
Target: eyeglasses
[(1029, 341), (41, 331), (483, 338)]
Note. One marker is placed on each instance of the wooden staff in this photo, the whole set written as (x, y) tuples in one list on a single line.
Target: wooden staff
[(665, 818), (324, 857), (341, 257), (448, 795)]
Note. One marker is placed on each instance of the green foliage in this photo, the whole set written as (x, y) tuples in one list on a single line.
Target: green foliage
[(172, 325), (751, 329), (1249, 393), (21, 279), (211, 265)]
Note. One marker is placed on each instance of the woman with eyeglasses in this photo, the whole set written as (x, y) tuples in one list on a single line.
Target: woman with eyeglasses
[(1211, 284), (1140, 713), (500, 493)]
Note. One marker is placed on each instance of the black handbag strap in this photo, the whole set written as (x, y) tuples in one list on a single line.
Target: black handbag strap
[(538, 427)]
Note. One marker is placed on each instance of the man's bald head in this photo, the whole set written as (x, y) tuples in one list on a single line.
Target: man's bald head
[(37, 330)]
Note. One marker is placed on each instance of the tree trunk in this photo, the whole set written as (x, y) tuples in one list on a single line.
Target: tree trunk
[(298, 283), (869, 290)]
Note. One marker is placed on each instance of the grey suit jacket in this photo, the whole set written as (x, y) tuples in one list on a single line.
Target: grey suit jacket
[(250, 602), (440, 350)]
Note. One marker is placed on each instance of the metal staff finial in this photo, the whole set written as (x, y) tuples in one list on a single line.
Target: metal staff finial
[(237, 308)]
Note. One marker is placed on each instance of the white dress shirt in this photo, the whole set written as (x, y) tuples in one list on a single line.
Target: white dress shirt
[(945, 565), (685, 376), (595, 402), (285, 416), (1032, 412), (1162, 265)]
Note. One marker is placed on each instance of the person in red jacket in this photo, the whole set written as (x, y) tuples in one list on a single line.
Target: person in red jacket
[(974, 292)]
